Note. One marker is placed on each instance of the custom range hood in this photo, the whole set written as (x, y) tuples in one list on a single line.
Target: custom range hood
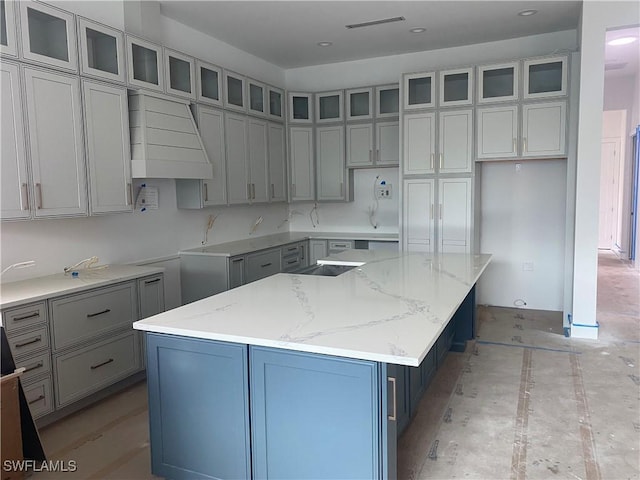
[(165, 142)]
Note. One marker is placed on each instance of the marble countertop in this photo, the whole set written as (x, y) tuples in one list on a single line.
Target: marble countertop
[(240, 247), (390, 309), (13, 294)]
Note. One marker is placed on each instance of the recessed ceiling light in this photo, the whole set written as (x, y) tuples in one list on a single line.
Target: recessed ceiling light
[(324, 44), (527, 13), (417, 30), (622, 41)]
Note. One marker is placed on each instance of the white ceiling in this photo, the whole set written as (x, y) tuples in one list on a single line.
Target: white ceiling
[(622, 60), (286, 33)]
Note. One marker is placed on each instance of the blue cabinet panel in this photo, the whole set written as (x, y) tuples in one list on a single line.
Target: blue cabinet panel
[(315, 416), (198, 408)]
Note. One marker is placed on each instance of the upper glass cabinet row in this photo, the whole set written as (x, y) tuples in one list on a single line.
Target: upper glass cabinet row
[(247, 95), (359, 105), (543, 77)]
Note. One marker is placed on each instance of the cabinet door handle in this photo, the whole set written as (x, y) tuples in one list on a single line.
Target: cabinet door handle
[(441, 158), (292, 249), (206, 191), (26, 317), (106, 310), (41, 397), (432, 166), (370, 156), (24, 191), (236, 260), (149, 282), (38, 196), (295, 260), (129, 194), (394, 415), (301, 252), (265, 265), (377, 155), (253, 191), (248, 191), (29, 342), (440, 211), (524, 144), (35, 366), (273, 191), (106, 362), (515, 146)]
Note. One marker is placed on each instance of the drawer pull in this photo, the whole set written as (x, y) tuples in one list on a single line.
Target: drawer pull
[(41, 397), (149, 282), (292, 261), (106, 310), (26, 317), (292, 249), (393, 417), (93, 367), (237, 260), (29, 342), (265, 265), (35, 366)]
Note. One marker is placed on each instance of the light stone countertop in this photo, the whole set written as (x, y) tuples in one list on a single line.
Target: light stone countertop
[(13, 294), (390, 309)]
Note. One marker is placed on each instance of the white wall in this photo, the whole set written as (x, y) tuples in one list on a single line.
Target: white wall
[(597, 17)]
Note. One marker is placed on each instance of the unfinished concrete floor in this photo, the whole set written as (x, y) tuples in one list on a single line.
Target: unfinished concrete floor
[(522, 402)]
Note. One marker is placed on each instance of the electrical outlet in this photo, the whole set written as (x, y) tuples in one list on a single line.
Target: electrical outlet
[(527, 266), (383, 191)]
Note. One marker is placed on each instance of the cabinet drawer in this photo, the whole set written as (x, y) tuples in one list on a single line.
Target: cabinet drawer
[(291, 263), (21, 317), (261, 265), (339, 245), (290, 251), (82, 317), (28, 342), (39, 397), (88, 369), (35, 365)]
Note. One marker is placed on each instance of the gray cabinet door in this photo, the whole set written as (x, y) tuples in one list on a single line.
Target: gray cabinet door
[(263, 264), (236, 272), (151, 295), (199, 419)]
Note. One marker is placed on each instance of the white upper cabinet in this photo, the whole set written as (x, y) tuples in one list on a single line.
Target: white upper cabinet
[(208, 84), (144, 64), (277, 162), (329, 107), (456, 87), (387, 101), (239, 190), (256, 95), (419, 91), (106, 109), (360, 151), (55, 137), (300, 107), (419, 143), (387, 143), (101, 51), (418, 215), (455, 140), (498, 83), (8, 39), (359, 104), (179, 74), (330, 166), (234, 92), (497, 132), (302, 176), (275, 103), (544, 129), (48, 35), (545, 77), (258, 160), (14, 191), (454, 215)]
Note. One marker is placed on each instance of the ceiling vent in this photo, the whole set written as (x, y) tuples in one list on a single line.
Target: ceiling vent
[(615, 65), (376, 22)]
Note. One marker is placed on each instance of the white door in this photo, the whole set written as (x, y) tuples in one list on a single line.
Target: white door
[(543, 129), (108, 147), (388, 143), (418, 215), (56, 143), (302, 172), (258, 160), (277, 163), (211, 127), (14, 191), (238, 188), (360, 145), (456, 139), (609, 180), (497, 132), (330, 167), (419, 143), (454, 215)]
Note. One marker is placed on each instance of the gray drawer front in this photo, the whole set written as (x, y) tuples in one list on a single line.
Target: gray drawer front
[(264, 264), (21, 317), (28, 342), (91, 368), (292, 250), (339, 245), (39, 397), (82, 317), (290, 264), (35, 365)]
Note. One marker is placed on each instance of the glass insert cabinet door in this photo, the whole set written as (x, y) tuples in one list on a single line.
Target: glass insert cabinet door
[(329, 107), (419, 89), (545, 77), (234, 91), (48, 35), (300, 107), (456, 87), (209, 83), (101, 51), (8, 41), (179, 70), (275, 103), (256, 92), (144, 64), (387, 101), (359, 104), (498, 83)]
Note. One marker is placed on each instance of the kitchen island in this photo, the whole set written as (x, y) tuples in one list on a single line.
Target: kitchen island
[(296, 376)]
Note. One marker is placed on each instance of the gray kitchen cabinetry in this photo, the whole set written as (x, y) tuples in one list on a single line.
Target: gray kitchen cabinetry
[(317, 250), (295, 256)]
